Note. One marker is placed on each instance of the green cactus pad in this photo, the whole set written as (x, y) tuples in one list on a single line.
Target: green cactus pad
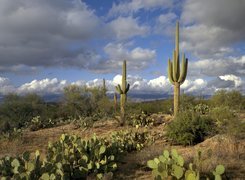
[(30, 166), (220, 169), (180, 160), (177, 171), (191, 176), (166, 153), (174, 153), (15, 163), (102, 150), (152, 164), (45, 176)]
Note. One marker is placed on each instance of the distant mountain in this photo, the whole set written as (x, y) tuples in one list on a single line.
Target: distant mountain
[(137, 97)]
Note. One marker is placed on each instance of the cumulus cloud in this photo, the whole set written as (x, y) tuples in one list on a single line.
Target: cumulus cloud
[(211, 27), (194, 86), (39, 33), (6, 86), (138, 85), (137, 58), (44, 86), (133, 6), (227, 82), (230, 77), (165, 24), (218, 67), (59, 33), (127, 27)]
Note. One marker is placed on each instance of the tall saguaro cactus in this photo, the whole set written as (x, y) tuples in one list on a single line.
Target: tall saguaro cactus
[(175, 76), (122, 90), (104, 88)]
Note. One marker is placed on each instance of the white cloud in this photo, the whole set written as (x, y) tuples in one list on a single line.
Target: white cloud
[(45, 86), (40, 34), (138, 85), (194, 86), (127, 27), (133, 6), (6, 86), (165, 24), (137, 58), (212, 27), (218, 67), (230, 77)]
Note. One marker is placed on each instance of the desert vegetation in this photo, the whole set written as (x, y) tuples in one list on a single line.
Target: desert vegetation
[(87, 136)]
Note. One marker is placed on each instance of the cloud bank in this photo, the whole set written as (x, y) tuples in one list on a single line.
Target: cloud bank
[(139, 85)]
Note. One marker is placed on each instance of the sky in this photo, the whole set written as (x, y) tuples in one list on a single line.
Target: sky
[(49, 44)]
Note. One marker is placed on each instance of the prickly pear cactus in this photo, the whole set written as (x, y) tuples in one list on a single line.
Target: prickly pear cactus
[(167, 165)]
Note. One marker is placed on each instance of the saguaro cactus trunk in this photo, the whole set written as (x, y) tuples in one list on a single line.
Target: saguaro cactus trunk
[(122, 90), (115, 102), (104, 88), (175, 76)]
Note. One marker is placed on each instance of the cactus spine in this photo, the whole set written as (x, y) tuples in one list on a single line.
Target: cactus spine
[(122, 90), (175, 76), (115, 102)]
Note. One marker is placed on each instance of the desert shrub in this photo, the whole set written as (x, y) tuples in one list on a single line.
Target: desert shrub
[(18, 110), (189, 128), (170, 165), (105, 107), (187, 102), (4, 126), (76, 102), (84, 101), (150, 107), (227, 121), (232, 99), (222, 115)]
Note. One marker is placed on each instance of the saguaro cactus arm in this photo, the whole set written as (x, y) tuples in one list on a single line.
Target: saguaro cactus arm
[(170, 72), (183, 74)]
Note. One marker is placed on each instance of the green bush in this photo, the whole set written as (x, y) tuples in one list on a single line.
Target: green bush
[(4, 127), (233, 99), (222, 116), (187, 102), (227, 121), (150, 107), (189, 128)]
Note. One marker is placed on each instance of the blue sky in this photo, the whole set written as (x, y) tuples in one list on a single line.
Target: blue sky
[(47, 45)]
